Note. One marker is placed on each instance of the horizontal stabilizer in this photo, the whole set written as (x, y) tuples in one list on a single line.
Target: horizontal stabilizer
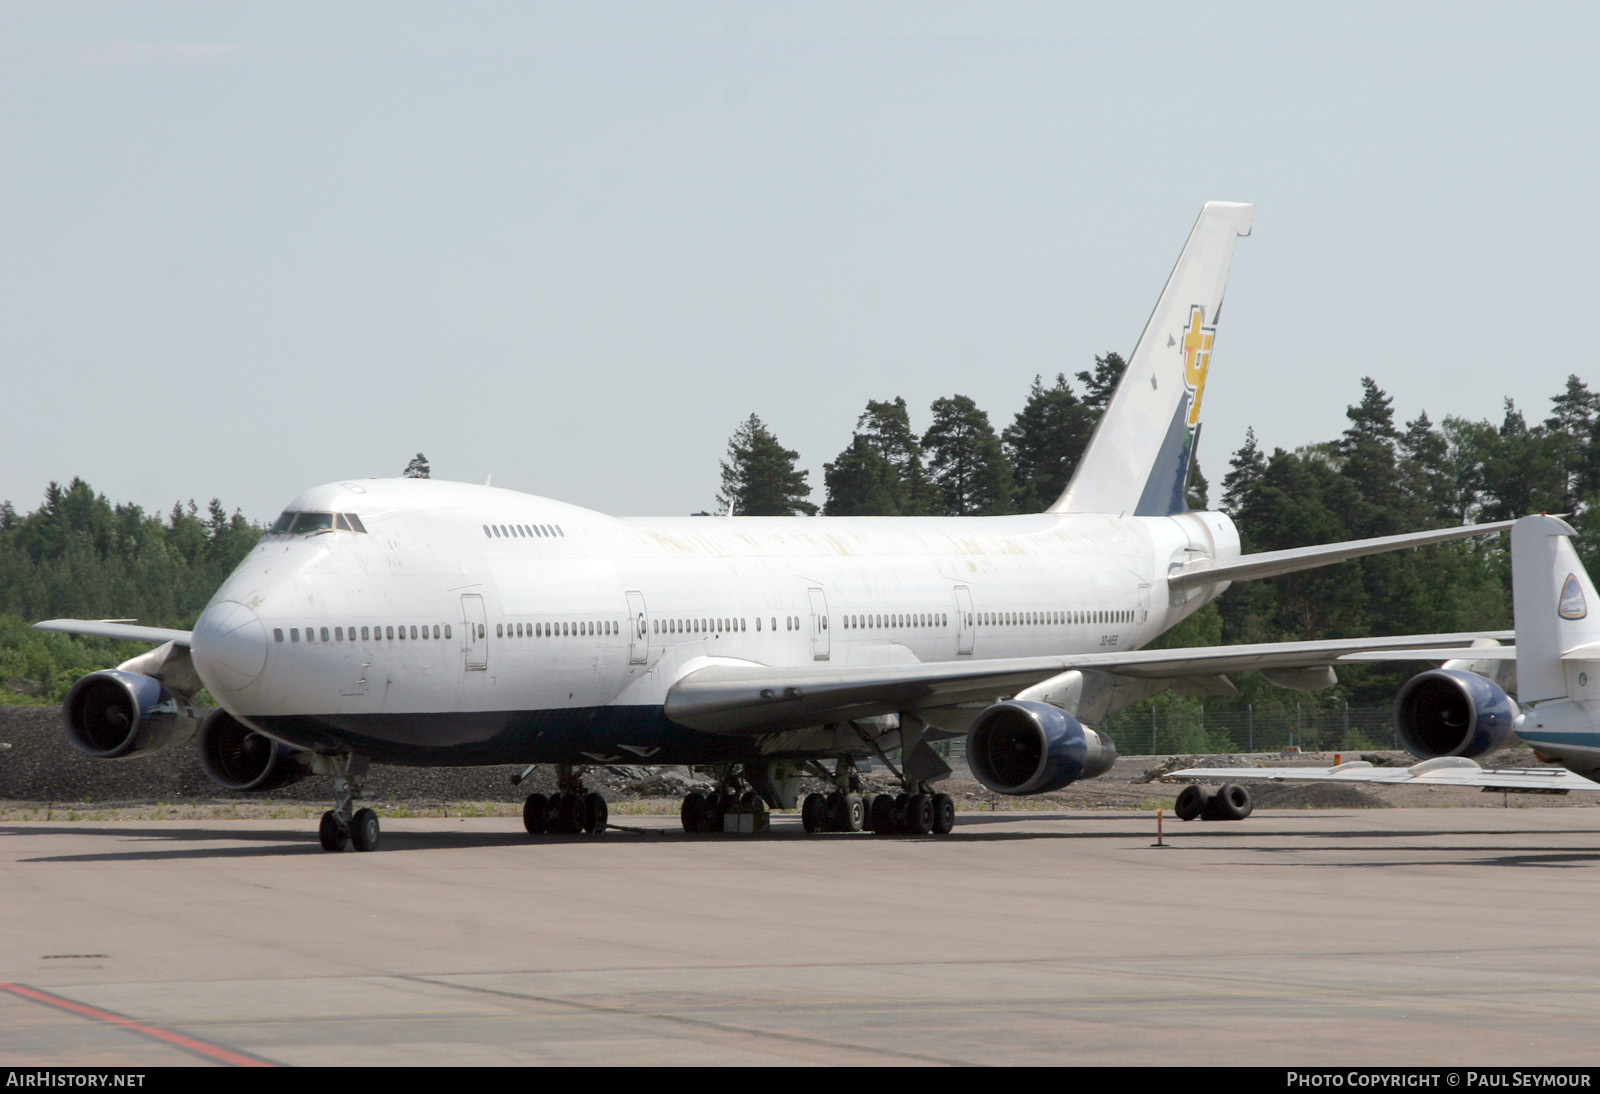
[(1274, 563), (1480, 653)]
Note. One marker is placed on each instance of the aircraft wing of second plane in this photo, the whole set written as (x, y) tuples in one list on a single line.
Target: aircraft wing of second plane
[(1441, 771)]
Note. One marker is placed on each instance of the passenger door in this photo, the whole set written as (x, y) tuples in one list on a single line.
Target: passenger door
[(475, 632), (820, 645), (639, 639), (965, 630)]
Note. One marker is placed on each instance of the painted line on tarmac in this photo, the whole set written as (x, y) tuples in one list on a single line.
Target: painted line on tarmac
[(204, 1049)]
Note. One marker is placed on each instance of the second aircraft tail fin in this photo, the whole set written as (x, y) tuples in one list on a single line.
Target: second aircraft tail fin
[(1557, 613), (1138, 460)]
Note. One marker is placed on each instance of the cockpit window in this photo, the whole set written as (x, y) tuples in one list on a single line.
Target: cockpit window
[(311, 522), (292, 523)]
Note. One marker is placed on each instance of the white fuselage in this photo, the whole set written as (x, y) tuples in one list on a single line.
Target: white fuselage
[(466, 621)]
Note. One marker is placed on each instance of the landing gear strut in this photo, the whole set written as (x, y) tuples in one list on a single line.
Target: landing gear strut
[(572, 809), (343, 826)]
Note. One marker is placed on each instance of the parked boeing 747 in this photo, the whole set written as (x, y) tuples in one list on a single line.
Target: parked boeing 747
[(426, 623)]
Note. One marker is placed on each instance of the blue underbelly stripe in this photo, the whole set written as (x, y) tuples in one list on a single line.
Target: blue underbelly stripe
[(477, 738)]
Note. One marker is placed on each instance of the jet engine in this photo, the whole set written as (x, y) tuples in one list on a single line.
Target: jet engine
[(236, 757), (1449, 712), (1026, 747), (116, 714)]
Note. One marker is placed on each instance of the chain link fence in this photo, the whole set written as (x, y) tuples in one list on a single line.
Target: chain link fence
[(1149, 731), (1312, 729)]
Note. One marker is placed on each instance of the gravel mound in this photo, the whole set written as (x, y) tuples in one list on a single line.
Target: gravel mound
[(37, 764), (42, 766)]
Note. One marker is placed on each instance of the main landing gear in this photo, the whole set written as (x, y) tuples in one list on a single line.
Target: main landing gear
[(343, 826), (709, 810), (915, 811), (1232, 802), (572, 809)]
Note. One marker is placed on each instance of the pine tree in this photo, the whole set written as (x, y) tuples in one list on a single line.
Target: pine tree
[(1101, 384), (759, 478), (1248, 465), (966, 460), (1045, 441), (1570, 427), (881, 473), (1522, 472), (417, 468), (1367, 449), (1425, 478), (861, 483)]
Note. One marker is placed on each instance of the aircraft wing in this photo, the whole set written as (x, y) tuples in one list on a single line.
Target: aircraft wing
[(753, 699), (110, 628), (1274, 563), (1442, 771)]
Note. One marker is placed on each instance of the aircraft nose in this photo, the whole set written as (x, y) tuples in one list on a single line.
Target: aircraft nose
[(229, 647)]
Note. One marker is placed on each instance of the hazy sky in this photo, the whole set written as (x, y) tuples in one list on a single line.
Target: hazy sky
[(247, 248)]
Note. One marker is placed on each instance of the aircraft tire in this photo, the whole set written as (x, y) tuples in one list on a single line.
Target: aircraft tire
[(833, 812), (595, 813), (364, 830), (1192, 802), (852, 813), (536, 814), (331, 832), (944, 814), (689, 811), (1232, 802), (902, 803), (712, 815), (919, 814), (880, 818), (568, 815), (811, 811)]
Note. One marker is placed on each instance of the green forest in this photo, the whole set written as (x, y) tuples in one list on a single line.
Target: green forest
[(79, 554)]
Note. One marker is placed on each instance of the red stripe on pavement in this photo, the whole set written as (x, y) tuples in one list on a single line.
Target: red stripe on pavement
[(188, 1044)]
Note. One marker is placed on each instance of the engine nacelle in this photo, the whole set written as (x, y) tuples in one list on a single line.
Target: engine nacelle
[(236, 757), (1448, 712), (116, 714), (1025, 747)]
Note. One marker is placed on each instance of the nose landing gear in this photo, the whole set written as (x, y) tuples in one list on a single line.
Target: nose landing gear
[(343, 826), (572, 809)]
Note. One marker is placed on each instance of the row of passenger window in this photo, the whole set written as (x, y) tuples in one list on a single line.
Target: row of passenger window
[(377, 634), (1056, 618), (898, 619), (557, 630), (523, 531), (720, 625), (604, 627)]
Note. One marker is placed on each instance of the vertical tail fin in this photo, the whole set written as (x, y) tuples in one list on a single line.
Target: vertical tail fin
[(1557, 612), (1138, 459)]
